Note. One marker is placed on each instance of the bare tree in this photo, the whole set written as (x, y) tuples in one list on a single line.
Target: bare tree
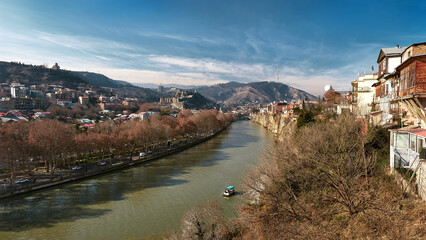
[(205, 222)]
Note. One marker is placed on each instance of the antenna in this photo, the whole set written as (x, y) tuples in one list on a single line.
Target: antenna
[(278, 74)]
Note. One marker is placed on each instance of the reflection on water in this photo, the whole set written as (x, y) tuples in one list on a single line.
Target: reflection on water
[(138, 201)]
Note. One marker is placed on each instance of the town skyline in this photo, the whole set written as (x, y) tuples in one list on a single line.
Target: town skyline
[(194, 43)]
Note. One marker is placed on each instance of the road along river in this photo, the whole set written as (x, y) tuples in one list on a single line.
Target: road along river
[(141, 200)]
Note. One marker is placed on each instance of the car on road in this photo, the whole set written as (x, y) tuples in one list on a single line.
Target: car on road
[(142, 154), (149, 152), (22, 180), (75, 168), (102, 163)]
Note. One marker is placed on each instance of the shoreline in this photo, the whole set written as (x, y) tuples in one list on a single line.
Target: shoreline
[(72, 178)]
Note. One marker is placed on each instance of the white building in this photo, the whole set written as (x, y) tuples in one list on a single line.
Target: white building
[(364, 94), (18, 90), (408, 150)]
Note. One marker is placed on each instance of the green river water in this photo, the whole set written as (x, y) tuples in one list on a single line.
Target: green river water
[(141, 200)]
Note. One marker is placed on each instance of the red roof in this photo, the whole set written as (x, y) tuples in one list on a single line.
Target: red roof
[(87, 125), (417, 131)]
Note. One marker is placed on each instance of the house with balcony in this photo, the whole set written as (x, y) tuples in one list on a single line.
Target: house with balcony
[(386, 87), (411, 75)]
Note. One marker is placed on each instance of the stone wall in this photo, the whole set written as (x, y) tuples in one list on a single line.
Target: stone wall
[(278, 124), (421, 179)]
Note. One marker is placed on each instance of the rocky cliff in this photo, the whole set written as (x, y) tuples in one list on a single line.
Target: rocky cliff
[(276, 123)]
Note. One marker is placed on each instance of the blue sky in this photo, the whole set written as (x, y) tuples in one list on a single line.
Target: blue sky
[(201, 42)]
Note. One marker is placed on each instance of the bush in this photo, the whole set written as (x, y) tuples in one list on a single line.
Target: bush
[(322, 184)]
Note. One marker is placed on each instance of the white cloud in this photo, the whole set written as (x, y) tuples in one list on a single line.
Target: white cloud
[(157, 77), (135, 64)]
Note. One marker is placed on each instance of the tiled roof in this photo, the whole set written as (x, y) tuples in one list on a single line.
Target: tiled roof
[(393, 51)]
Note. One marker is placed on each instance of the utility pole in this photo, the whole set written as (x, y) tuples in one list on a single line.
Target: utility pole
[(278, 74)]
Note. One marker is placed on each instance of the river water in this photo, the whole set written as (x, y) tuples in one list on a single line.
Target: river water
[(138, 201)]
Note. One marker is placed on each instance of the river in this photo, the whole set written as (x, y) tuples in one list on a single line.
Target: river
[(141, 200)]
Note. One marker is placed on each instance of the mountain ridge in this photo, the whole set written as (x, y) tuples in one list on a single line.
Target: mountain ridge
[(234, 93), (228, 94)]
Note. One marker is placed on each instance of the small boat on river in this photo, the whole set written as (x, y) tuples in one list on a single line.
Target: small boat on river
[(229, 191)]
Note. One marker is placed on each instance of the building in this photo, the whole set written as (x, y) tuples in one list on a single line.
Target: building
[(18, 90), (386, 90), (68, 94), (411, 75), (28, 104), (130, 102), (408, 150), (110, 106), (36, 94), (83, 100), (363, 94), (56, 67), (7, 104), (160, 88)]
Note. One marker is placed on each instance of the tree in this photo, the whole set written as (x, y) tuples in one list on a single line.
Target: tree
[(205, 222), (51, 138), (305, 118)]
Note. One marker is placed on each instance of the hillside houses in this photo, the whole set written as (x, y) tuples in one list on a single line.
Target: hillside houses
[(397, 91), (396, 96)]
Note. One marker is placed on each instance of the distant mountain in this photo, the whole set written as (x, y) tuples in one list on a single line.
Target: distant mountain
[(101, 80), (38, 74), (155, 86), (230, 94), (198, 101), (234, 93)]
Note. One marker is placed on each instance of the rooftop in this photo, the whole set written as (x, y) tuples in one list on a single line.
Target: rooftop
[(393, 50), (417, 131)]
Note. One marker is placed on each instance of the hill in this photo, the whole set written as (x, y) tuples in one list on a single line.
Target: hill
[(101, 80), (38, 74), (198, 101), (234, 93)]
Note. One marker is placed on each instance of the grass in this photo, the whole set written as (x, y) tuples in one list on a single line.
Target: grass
[(406, 173)]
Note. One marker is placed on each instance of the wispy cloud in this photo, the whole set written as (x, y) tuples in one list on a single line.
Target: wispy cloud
[(131, 62), (157, 77)]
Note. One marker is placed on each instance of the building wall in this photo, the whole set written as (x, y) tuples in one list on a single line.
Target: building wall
[(421, 76), (365, 94), (421, 180), (413, 50), (364, 103), (8, 104), (393, 62)]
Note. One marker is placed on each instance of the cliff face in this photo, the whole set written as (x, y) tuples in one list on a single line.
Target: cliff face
[(276, 123)]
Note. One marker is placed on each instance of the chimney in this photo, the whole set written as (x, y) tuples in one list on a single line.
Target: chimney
[(397, 46)]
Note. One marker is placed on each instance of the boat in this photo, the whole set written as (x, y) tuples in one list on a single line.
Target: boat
[(229, 191)]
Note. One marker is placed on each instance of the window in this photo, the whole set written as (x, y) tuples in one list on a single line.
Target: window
[(422, 148), (384, 65), (413, 141), (402, 140)]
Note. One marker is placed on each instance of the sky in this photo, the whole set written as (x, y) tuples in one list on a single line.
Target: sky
[(311, 43)]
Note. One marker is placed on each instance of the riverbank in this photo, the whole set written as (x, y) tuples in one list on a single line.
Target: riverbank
[(142, 200), (41, 180)]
